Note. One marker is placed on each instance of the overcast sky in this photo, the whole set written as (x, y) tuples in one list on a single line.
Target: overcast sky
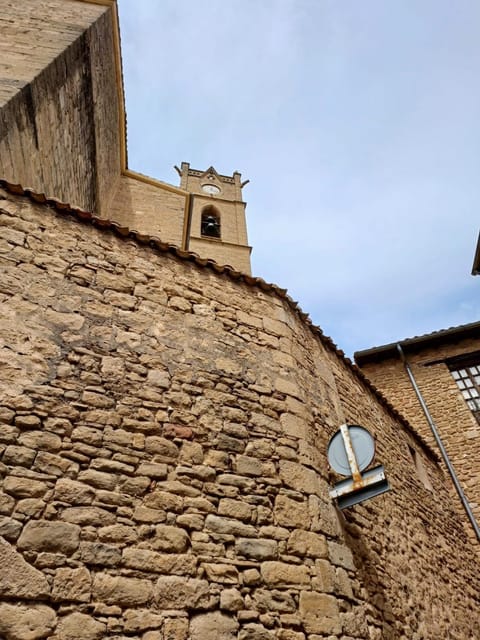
[(358, 125)]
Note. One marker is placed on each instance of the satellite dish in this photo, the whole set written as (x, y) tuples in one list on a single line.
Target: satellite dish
[(363, 446)]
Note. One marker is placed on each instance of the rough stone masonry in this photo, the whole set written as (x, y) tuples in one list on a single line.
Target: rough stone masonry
[(163, 430)]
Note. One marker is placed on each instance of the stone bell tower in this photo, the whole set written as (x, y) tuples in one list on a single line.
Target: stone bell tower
[(216, 226)]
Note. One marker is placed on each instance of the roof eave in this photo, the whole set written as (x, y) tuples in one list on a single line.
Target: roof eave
[(387, 351)]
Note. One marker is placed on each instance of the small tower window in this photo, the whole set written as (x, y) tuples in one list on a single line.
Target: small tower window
[(210, 223)]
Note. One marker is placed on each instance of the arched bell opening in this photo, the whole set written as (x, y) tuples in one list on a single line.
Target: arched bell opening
[(210, 225)]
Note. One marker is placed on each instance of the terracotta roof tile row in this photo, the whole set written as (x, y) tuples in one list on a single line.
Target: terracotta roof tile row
[(164, 247)]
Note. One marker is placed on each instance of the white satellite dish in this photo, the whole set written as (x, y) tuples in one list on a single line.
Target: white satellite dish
[(363, 446)]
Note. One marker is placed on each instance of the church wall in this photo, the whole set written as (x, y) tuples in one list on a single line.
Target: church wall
[(108, 150), (50, 25), (234, 255), (149, 209), (458, 428), (162, 440), (59, 127)]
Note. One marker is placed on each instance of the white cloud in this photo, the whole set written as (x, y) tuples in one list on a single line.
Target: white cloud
[(357, 124)]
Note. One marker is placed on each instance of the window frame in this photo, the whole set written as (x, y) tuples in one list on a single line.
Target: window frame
[(465, 371)]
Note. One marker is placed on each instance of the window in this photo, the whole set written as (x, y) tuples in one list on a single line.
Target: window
[(468, 381), (210, 225)]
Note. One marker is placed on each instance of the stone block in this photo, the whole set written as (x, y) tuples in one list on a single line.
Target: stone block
[(159, 378), (251, 577), (229, 444), (88, 516), (274, 600), (24, 487), (136, 620), (324, 576), (97, 400), (41, 440), (207, 626), (340, 555), (54, 465), (73, 492), (291, 513), (145, 514), (223, 573), (120, 533), (175, 629), (72, 585), (282, 574), (50, 536), (200, 472), (235, 509), (166, 563), (256, 548), (164, 500), (175, 592), (191, 521), (250, 466), (10, 528), (6, 503), (307, 543), (98, 479), (161, 447), (153, 470), (20, 456), (324, 517), (31, 622), (298, 477), (96, 553), (126, 592), (231, 600), (288, 387), (80, 626), (319, 613), (135, 486), (289, 634), (169, 538), (229, 526), (18, 579), (192, 452)]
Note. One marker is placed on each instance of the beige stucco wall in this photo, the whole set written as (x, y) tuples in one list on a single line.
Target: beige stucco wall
[(162, 440)]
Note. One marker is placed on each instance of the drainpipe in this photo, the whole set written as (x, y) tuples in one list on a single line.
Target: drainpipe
[(439, 442)]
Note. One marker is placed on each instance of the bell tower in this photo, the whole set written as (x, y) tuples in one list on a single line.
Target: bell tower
[(216, 226)]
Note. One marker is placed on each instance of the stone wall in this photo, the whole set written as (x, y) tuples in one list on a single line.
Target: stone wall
[(59, 111), (458, 428), (162, 441)]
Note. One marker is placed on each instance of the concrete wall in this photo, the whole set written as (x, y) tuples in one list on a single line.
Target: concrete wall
[(59, 111), (163, 463), (457, 426)]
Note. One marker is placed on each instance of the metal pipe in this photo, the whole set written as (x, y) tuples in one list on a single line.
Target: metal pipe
[(439, 442)]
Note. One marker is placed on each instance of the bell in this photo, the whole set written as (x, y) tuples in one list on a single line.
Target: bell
[(211, 227)]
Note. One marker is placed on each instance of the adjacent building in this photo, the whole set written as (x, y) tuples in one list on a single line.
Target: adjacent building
[(445, 366)]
